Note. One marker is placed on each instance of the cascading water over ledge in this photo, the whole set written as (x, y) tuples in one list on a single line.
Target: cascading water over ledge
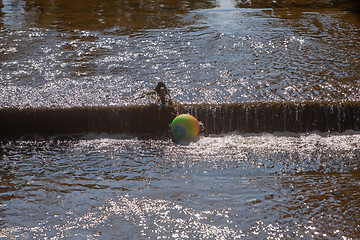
[(153, 119), (278, 116)]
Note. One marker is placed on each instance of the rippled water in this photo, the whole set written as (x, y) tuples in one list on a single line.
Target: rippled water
[(221, 187), (63, 55)]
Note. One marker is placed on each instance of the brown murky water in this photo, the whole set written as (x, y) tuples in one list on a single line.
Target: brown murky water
[(59, 53)]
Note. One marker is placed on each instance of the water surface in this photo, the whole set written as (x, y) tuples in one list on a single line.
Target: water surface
[(57, 54), (222, 187), (63, 54)]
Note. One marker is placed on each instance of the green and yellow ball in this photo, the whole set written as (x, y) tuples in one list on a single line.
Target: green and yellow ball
[(185, 127)]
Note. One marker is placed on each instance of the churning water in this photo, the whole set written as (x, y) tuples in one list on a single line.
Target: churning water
[(60, 53), (222, 187)]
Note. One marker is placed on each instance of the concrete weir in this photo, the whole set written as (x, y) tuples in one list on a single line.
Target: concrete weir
[(153, 119)]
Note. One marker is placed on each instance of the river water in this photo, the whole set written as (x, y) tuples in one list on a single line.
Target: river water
[(60, 53), (221, 187)]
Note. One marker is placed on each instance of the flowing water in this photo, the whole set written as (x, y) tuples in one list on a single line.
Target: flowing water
[(61, 54), (230, 186)]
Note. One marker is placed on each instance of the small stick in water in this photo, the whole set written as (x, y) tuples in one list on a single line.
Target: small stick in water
[(162, 91)]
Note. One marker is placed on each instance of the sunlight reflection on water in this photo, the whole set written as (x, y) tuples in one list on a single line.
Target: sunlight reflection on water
[(62, 53), (215, 55), (223, 186)]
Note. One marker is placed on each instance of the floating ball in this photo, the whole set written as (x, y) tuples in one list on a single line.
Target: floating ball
[(185, 127)]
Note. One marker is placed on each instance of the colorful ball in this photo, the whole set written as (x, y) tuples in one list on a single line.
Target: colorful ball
[(185, 127)]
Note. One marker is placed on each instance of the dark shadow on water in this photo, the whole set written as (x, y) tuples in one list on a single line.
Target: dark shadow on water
[(353, 4), (348, 5), (124, 15)]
